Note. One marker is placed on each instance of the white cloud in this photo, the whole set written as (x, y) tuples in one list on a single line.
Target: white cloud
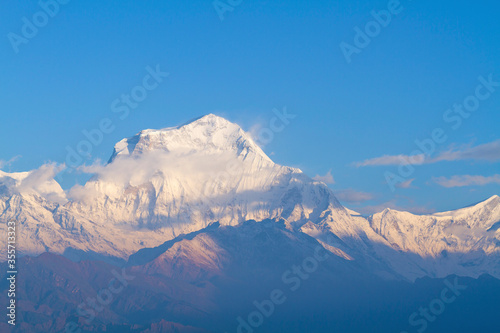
[(353, 196), (132, 171), (39, 181), (467, 180), (327, 179), (392, 160), (9, 162), (486, 152), (40, 176), (406, 184), (136, 170), (260, 133)]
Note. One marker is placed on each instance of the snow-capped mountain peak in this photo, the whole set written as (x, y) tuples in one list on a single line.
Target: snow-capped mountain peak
[(207, 134), (482, 214), (456, 237)]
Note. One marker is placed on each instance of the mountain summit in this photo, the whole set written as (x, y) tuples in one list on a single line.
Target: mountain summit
[(207, 134)]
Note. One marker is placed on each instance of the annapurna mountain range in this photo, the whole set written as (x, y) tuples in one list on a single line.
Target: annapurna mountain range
[(161, 185)]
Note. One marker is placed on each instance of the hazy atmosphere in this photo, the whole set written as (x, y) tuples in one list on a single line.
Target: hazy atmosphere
[(247, 166)]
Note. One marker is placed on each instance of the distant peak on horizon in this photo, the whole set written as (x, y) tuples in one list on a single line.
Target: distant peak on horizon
[(494, 200)]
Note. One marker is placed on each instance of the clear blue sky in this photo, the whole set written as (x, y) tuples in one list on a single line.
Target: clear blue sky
[(265, 55)]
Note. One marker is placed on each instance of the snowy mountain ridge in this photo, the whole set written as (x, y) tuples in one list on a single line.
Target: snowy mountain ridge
[(160, 184)]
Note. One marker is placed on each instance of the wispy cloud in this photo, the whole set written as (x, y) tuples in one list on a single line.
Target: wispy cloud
[(327, 179), (392, 160), (486, 152), (9, 162), (353, 196), (467, 180), (406, 184)]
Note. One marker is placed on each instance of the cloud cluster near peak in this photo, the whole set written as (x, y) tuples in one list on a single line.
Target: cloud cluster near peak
[(327, 178), (40, 181)]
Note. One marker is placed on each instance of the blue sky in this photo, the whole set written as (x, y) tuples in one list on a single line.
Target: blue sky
[(265, 55)]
